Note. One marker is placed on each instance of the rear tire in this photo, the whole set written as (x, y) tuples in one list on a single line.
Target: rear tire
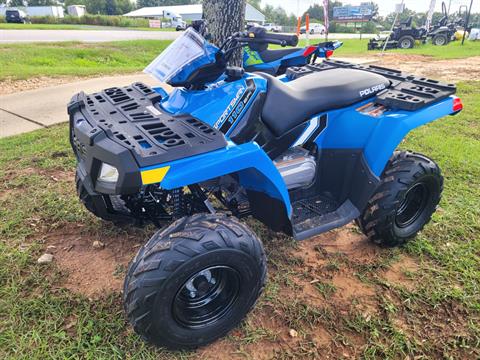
[(440, 40), (406, 42), (194, 281), (409, 192)]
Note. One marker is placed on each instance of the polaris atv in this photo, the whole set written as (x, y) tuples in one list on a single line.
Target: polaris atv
[(303, 154), (257, 56)]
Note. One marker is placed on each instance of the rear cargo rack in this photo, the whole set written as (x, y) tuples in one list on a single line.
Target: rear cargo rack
[(131, 117), (407, 92)]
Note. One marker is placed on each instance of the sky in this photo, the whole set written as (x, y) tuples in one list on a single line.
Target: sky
[(385, 6)]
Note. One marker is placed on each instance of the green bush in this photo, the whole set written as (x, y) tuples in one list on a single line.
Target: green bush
[(368, 27), (101, 20), (339, 28), (2, 19)]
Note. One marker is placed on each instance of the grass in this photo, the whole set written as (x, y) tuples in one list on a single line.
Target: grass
[(23, 61), (438, 316), (13, 26), (454, 50), (76, 59)]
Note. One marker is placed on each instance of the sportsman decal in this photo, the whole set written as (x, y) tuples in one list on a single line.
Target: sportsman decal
[(236, 107)]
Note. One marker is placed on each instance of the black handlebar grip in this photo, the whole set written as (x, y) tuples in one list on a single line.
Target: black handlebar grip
[(290, 40)]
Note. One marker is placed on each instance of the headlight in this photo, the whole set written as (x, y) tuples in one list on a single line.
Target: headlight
[(108, 173)]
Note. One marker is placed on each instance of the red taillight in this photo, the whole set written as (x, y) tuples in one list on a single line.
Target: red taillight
[(328, 53), (457, 105), (309, 50)]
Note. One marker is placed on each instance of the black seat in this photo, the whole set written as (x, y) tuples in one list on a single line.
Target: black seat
[(272, 55), (290, 104)]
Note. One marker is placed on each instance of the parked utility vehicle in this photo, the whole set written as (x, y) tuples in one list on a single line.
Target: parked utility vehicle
[(403, 36), (304, 154)]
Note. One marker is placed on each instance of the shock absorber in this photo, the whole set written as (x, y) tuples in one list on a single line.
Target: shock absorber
[(178, 203)]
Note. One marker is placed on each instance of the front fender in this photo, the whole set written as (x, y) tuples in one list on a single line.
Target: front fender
[(255, 169)]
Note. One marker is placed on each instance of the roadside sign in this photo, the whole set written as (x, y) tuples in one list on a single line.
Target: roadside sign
[(350, 13), (154, 23), (399, 8)]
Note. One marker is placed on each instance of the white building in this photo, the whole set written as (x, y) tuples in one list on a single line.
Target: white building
[(76, 10), (189, 12), (55, 11)]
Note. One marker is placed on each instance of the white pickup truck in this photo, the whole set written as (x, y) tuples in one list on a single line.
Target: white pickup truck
[(272, 27)]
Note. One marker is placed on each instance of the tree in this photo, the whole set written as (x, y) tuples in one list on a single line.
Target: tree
[(277, 15), (315, 11), (225, 18), (17, 3), (41, 2)]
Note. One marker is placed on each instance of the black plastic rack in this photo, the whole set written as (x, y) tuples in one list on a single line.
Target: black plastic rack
[(131, 117), (407, 92)]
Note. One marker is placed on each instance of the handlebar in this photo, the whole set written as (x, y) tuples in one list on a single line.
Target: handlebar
[(281, 39), (257, 34)]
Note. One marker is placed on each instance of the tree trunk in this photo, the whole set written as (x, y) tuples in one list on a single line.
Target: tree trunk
[(225, 17)]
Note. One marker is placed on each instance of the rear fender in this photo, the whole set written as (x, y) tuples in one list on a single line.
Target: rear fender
[(254, 168), (394, 126)]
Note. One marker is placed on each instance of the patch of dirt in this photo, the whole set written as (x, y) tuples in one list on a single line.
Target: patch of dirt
[(449, 70), (10, 86), (92, 271), (350, 242), (349, 287), (396, 274)]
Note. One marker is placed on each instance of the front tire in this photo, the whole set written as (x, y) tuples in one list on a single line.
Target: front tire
[(406, 42), (409, 192), (194, 281), (440, 40)]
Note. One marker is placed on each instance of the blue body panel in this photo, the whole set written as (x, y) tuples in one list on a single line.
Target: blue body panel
[(255, 169), (379, 136), (214, 101), (347, 128), (294, 59)]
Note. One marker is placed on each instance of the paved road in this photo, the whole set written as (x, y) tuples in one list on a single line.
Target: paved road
[(22, 36), (48, 106)]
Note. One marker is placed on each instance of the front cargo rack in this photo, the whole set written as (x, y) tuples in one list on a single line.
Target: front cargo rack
[(131, 117), (407, 92)]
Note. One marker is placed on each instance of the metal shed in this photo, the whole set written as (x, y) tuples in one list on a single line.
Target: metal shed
[(190, 12)]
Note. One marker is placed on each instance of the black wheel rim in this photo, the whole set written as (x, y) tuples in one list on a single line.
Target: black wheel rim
[(413, 205), (206, 297)]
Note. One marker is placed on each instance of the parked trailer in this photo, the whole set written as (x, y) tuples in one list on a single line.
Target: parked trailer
[(55, 11)]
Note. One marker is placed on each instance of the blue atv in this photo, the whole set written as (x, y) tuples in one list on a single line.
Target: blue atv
[(303, 153), (257, 56)]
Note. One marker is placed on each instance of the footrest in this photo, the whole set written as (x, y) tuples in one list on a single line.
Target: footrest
[(319, 214)]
